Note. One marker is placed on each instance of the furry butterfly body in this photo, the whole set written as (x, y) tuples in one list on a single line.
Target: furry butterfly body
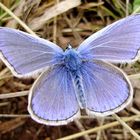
[(77, 78)]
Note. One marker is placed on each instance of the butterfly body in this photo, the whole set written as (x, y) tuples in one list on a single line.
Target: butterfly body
[(72, 60), (77, 78)]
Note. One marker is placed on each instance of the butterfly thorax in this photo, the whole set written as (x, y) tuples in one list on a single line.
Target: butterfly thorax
[(72, 60)]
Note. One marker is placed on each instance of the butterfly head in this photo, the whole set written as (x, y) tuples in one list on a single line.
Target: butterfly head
[(71, 59), (68, 47)]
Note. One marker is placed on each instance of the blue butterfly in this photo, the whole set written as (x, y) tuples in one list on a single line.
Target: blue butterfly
[(78, 78)]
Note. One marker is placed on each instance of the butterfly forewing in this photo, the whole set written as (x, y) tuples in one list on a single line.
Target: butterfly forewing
[(52, 99), (118, 42), (24, 53), (107, 88)]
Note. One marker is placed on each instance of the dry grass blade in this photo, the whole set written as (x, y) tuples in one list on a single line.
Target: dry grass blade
[(18, 13), (126, 126), (81, 127), (55, 27), (5, 77), (106, 126), (4, 104), (134, 110), (127, 8), (3, 15), (13, 95), (75, 34), (3, 72), (17, 19), (92, 4), (14, 115), (99, 133), (134, 76), (56, 10)]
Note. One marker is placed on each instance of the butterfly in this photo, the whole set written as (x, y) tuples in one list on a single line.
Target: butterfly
[(74, 79)]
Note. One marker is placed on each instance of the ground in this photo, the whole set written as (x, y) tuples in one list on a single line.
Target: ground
[(63, 22)]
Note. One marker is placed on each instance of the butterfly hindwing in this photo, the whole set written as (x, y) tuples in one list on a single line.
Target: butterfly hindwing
[(52, 99), (107, 88)]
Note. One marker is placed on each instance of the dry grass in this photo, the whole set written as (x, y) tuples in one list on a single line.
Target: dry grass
[(75, 21)]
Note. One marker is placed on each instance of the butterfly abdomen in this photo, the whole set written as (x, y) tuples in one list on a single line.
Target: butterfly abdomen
[(80, 94)]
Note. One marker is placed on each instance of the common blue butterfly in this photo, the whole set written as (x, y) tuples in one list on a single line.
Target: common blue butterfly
[(75, 78)]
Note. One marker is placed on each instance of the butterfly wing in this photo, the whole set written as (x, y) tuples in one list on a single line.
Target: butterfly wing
[(52, 99), (107, 88), (118, 42), (24, 53)]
